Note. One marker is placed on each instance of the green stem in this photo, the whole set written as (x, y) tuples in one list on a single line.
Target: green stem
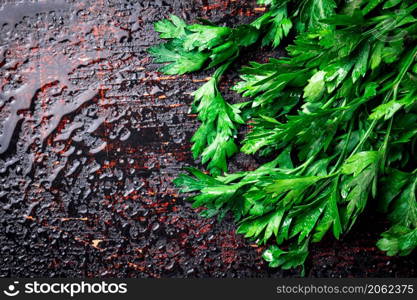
[(343, 154), (385, 146), (408, 63), (303, 166), (370, 129)]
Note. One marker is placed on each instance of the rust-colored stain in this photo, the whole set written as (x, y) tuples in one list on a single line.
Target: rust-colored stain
[(95, 243), (91, 137)]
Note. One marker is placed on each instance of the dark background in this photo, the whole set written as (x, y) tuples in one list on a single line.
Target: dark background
[(85, 179)]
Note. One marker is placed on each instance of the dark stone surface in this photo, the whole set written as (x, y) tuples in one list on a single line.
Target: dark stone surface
[(92, 136)]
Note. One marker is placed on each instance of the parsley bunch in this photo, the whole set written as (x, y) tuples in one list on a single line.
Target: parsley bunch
[(337, 116)]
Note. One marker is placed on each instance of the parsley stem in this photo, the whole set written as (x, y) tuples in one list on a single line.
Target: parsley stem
[(343, 154), (370, 129)]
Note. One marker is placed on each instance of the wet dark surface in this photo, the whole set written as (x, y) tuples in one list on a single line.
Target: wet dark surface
[(91, 137)]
